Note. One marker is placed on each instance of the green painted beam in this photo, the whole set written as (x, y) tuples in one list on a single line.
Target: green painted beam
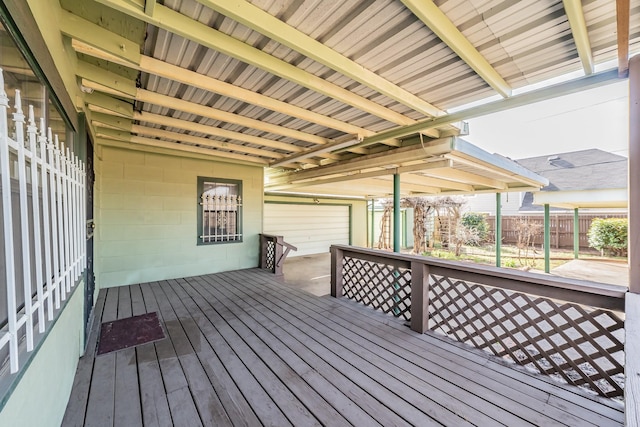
[(76, 27), (110, 103), (106, 78), (576, 233), (498, 236), (117, 122), (396, 212), (547, 240)]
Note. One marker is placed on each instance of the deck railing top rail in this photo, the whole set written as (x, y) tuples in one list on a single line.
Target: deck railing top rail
[(601, 295)]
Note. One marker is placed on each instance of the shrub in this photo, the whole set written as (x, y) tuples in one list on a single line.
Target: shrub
[(478, 222), (609, 235)]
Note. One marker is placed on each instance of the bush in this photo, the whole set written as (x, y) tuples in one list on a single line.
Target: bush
[(609, 235), (478, 222)]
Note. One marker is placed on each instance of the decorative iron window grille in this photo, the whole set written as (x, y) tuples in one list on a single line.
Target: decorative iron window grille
[(221, 211)]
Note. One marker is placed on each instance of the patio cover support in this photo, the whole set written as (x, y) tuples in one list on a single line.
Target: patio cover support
[(634, 174), (547, 239), (632, 300), (576, 233), (373, 220), (498, 229), (396, 212)]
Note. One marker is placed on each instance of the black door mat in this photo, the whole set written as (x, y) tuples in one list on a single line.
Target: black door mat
[(129, 332)]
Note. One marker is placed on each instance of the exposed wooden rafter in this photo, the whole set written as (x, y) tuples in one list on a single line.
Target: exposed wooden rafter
[(573, 9), (89, 39), (177, 23), (442, 26), (122, 136), (622, 23), (257, 19), (143, 95)]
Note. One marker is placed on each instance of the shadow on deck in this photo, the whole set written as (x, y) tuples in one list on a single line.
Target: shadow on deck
[(242, 349)]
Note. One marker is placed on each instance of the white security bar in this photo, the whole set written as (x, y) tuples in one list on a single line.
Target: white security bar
[(50, 229)]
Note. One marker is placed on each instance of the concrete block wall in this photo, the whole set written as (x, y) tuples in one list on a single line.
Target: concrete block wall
[(146, 219)]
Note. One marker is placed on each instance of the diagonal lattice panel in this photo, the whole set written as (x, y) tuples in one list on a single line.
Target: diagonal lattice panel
[(582, 346), (271, 255), (383, 287)]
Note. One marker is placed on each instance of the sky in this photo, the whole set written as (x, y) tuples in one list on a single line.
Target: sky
[(597, 118)]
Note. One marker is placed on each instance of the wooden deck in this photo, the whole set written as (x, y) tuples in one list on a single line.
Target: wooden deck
[(242, 349)]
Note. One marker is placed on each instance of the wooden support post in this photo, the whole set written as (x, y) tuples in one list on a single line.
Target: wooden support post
[(547, 240), (498, 229), (396, 212), (277, 264), (634, 174), (419, 297), (336, 272), (576, 234)]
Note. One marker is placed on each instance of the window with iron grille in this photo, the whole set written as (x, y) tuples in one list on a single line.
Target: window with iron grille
[(219, 211)]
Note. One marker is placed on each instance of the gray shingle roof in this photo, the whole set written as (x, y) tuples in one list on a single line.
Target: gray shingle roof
[(591, 169)]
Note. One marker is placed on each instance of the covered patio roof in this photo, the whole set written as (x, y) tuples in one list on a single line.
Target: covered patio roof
[(311, 84), (442, 166)]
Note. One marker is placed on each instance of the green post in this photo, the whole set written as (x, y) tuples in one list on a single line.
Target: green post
[(396, 212), (498, 229), (576, 233), (373, 221), (547, 240)]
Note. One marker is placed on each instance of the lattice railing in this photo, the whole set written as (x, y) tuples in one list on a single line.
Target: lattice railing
[(383, 287), (572, 330), (273, 252), (580, 345)]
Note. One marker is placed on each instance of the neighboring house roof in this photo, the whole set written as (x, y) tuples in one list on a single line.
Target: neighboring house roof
[(586, 173)]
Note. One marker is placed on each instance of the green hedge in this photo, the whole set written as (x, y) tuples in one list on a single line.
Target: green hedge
[(609, 235)]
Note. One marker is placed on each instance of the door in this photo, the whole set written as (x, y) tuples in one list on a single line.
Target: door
[(89, 278)]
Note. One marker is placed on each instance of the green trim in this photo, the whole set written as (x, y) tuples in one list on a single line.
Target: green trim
[(547, 240), (350, 225), (373, 223), (313, 196), (282, 202), (576, 233), (199, 191), (498, 235), (396, 212), (26, 358)]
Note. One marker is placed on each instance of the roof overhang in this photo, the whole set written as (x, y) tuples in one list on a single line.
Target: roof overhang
[(342, 87), (446, 166), (586, 199)]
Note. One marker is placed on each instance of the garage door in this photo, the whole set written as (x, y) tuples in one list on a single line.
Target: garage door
[(311, 228)]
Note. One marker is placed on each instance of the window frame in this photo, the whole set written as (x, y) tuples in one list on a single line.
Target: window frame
[(200, 217)]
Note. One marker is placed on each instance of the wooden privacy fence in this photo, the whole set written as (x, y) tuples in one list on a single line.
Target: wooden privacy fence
[(570, 329), (560, 227), (43, 215)]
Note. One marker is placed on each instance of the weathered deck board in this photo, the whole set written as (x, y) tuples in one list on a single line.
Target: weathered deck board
[(242, 349), (515, 390)]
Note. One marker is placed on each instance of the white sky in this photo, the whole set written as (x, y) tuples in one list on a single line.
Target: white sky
[(597, 118)]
